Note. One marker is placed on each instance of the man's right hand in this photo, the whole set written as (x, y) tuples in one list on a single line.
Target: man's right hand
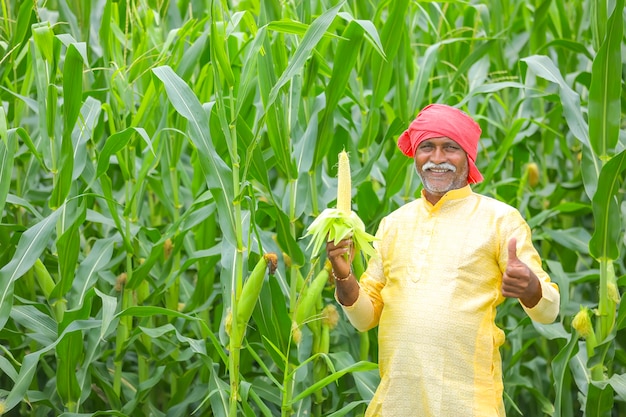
[(345, 281), (337, 256)]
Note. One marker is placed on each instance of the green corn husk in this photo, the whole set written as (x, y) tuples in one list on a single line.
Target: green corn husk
[(340, 223)]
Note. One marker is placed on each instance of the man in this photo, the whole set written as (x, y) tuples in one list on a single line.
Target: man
[(445, 261)]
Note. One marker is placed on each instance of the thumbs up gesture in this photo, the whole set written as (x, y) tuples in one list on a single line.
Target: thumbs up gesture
[(519, 281)]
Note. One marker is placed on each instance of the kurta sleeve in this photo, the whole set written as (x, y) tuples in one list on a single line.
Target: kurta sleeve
[(547, 309), (364, 314), (361, 313)]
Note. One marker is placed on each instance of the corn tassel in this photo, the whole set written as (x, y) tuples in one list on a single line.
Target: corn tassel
[(341, 223)]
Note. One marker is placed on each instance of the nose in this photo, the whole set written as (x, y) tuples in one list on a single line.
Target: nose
[(438, 156)]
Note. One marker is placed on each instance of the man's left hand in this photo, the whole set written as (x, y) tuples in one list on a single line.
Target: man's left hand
[(519, 280)]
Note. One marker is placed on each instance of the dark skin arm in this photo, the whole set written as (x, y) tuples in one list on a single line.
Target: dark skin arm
[(519, 281), (348, 289)]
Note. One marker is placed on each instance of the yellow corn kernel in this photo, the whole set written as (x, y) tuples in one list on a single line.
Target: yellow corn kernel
[(344, 184)]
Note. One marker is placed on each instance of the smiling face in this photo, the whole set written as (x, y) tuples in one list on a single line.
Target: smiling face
[(442, 165)]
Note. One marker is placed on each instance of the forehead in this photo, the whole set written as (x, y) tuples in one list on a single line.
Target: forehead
[(441, 140)]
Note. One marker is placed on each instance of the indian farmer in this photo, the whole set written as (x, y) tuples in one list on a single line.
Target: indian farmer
[(445, 262)]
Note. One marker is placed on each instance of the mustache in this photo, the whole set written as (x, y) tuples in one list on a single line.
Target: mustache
[(444, 165)]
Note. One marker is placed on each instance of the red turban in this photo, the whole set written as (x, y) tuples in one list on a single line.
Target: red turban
[(439, 120)]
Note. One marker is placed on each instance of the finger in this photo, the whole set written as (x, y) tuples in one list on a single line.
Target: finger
[(509, 289), (340, 252), (330, 245), (513, 250)]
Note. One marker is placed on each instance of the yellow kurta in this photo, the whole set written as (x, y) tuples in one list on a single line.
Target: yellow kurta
[(433, 292)]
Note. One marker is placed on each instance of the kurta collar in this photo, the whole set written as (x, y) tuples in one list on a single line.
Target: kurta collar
[(451, 195)]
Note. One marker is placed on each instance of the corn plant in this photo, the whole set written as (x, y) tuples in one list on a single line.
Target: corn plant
[(162, 160)]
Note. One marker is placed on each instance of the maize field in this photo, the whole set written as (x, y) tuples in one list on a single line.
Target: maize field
[(161, 161)]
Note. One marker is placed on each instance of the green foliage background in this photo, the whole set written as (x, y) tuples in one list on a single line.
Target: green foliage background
[(152, 151)]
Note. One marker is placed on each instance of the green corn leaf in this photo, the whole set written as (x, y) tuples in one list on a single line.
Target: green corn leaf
[(39, 326), (24, 379), (112, 205), (544, 67), (348, 49), (285, 238), (357, 367), (618, 382), (43, 35), (574, 238), (109, 306), (72, 87), (72, 102), (68, 246), (30, 361), (218, 174), (8, 146), (23, 25), (417, 93), (69, 350), (599, 400), (605, 89), (197, 346), (32, 243), (277, 133), (65, 166), (312, 37), (52, 103), (218, 45), (604, 242), (108, 413), (89, 114), (391, 38), (477, 54), (3, 126), (192, 54), (218, 393), (503, 151), (273, 322), (115, 143), (560, 369)]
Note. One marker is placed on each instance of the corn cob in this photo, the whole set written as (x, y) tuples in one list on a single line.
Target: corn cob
[(341, 223), (309, 296), (344, 184), (252, 289)]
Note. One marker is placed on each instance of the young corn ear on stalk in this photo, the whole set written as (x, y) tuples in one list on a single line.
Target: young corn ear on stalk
[(250, 293), (340, 223), (309, 295)]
